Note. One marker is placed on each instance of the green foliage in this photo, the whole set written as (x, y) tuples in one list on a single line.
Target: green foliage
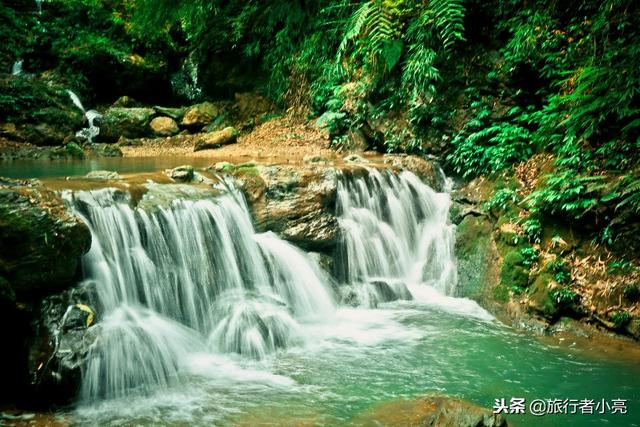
[(563, 296), (502, 199), (621, 266), (620, 319), (533, 229), (529, 256), (560, 271), (489, 144)]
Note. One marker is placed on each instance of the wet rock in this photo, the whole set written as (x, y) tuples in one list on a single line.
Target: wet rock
[(210, 140), (316, 160), (164, 126), (427, 170), (224, 167), (181, 173), (65, 328), (355, 159), (297, 203), (388, 292), (41, 242), (127, 122), (200, 115), (441, 411), (103, 175)]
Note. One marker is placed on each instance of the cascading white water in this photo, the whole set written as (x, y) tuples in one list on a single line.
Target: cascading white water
[(92, 130), (187, 278), (396, 232), (16, 69)]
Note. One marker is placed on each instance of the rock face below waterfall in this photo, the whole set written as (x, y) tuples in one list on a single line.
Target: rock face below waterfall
[(39, 255)]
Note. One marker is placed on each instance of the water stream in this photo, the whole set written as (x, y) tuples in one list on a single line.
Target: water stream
[(207, 322)]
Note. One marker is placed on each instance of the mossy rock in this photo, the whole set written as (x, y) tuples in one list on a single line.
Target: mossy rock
[(74, 150), (514, 275), (540, 300), (41, 243)]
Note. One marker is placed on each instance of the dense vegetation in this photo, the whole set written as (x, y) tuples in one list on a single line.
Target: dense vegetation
[(484, 84)]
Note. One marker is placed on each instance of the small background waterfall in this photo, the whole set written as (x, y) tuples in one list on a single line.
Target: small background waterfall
[(191, 277), (90, 116), (396, 233)]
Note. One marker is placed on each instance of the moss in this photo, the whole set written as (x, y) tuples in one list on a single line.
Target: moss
[(540, 299), (514, 275), (74, 150), (500, 293), (247, 169)]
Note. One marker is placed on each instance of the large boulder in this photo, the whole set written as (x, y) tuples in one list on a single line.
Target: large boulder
[(41, 242), (164, 126), (200, 115), (126, 122), (298, 203), (228, 135)]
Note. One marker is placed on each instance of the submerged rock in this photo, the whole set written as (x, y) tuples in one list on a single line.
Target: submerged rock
[(228, 135), (103, 175), (442, 411), (164, 126), (354, 158)]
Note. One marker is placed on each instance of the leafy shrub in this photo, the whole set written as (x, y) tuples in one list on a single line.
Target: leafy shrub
[(529, 256), (620, 319), (563, 296)]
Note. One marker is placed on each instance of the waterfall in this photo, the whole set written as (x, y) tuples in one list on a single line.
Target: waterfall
[(186, 278), (92, 130), (396, 233), (16, 69)]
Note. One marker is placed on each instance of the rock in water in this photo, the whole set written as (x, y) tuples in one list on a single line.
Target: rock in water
[(103, 175), (226, 136), (164, 126), (181, 173), (200, 114)]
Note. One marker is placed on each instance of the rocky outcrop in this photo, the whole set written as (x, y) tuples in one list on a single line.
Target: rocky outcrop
[(64, 330), (41, 242), (296, 202), (119, 122), (39, 256)]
